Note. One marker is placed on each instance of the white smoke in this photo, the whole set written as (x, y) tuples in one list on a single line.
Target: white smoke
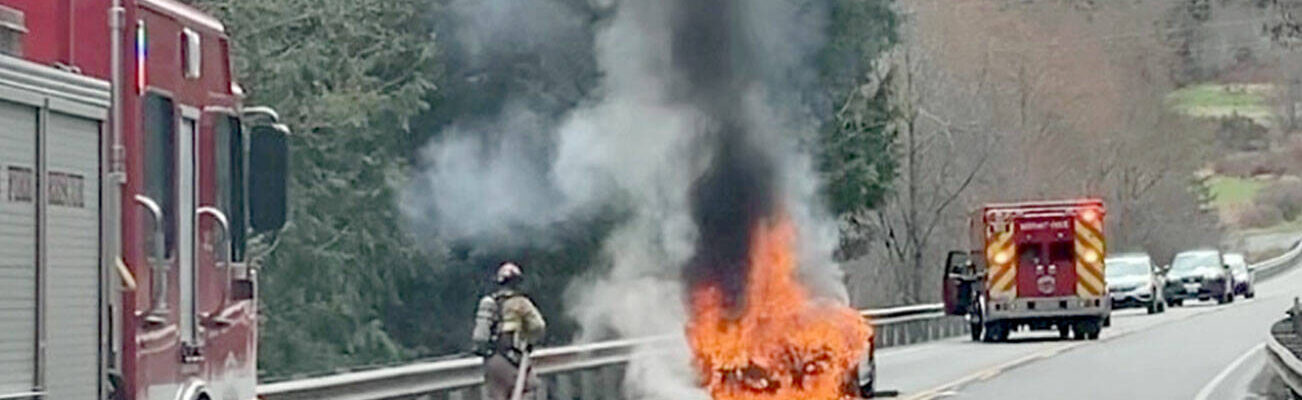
[(639, 147)]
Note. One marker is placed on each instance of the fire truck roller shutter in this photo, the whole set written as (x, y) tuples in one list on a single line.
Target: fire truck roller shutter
[(1090, 251), (17, 248), (72, 320)]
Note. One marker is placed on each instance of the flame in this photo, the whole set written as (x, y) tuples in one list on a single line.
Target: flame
[(781, 344)]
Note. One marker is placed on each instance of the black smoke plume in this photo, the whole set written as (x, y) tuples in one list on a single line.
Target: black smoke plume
[(711, 56)]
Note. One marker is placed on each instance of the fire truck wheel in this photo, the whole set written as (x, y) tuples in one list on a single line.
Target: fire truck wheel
[(996, 332), (1089, 329)]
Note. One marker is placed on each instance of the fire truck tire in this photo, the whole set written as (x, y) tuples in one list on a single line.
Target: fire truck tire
[(996, 332), (1088, 330)]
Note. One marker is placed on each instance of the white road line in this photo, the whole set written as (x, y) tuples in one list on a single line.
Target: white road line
[(1216, 382)]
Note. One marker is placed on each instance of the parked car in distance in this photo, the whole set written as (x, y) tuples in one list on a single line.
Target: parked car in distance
[(1199, 275), (1134, 281), (1244, 281)]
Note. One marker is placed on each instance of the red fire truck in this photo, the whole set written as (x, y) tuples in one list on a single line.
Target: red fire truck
[(1034, 265), (136, 191)]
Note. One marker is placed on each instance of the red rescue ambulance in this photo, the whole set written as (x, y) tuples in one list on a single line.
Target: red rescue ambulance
[(1031, 266)]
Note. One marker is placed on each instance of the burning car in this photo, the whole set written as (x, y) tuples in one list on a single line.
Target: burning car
[(778, 341)]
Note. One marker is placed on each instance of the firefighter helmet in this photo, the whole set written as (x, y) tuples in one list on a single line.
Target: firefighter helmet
[(508, 271)]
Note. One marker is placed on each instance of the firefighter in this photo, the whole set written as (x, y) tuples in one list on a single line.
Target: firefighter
[(507, 325)]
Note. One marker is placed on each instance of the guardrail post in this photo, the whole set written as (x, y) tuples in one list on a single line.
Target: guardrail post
[(614, 375), (587, 388), (1296, 313), (562, 387)]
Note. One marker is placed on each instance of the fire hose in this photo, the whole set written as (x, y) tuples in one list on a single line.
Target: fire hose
[(522, 377)]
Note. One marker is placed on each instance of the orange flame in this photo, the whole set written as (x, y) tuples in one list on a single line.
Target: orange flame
[(782, 344)]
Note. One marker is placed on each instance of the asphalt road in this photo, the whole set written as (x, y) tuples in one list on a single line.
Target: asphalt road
[(1200, 351)]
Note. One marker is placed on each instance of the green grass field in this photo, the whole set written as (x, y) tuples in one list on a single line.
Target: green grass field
[(1233, 191), (1215, 100)]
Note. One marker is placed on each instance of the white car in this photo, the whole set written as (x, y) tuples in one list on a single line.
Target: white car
[(1244, 281), (1134, 281)]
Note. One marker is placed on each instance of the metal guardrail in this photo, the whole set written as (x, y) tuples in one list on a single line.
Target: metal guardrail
[(594, 371), (588, 371), (1284, 361), (1270, 268)]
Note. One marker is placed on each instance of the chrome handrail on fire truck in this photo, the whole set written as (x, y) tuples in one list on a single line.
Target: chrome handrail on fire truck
[(158, 273)]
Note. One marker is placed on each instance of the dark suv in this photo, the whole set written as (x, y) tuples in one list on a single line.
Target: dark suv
[(1201, 275)]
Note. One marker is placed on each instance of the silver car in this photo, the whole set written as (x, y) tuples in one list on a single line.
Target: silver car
[(1134, 281)]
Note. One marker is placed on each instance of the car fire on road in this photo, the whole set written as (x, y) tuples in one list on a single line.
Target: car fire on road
[(778, 342)]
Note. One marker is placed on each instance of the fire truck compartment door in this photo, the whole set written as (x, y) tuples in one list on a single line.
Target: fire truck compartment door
[(73, 259), (17, 248), (50, 264), (1046, 266)]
